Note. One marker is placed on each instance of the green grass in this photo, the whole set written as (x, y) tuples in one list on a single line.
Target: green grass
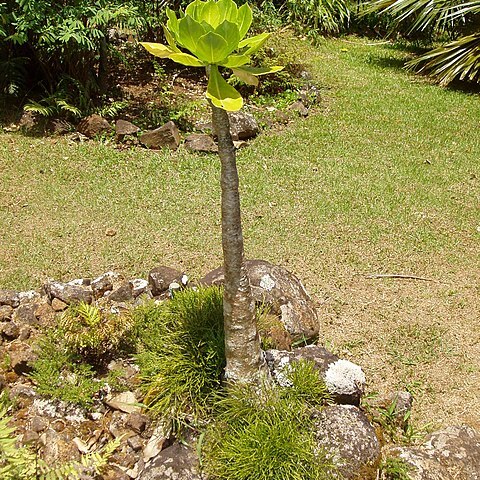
[(390, 168)]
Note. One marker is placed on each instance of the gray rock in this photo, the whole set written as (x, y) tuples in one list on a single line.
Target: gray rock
[(177, 462), (10, 298), (68, 292), (450, 454), (123, 127), (160, 278), (349, 440), (6, 312), (243, 125), (26, 314), (123, 293), (32, 123), (282, 293), (300, 108), (135, 443), (93, 125), (345, 380), (137, 422), (200, 143), (164, 136)]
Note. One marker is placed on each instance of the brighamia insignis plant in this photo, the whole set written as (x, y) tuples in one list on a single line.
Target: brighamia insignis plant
[(213, 32)]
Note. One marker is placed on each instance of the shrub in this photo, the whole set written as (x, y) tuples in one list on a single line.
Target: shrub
[(181, 354)]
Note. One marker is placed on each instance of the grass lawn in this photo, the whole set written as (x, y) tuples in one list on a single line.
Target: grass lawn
[(385, 180)]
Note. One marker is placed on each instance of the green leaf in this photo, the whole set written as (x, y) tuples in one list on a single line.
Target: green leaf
[(170, 39), (221, 93), (157, 49), (194, 9), (235, 61), (253, 44), (244, 19), (172, 22), (211, 48), (228, 10), (245, 77), (262, 70), (211, 13), (229, 31), (186, 59), (189, 32)]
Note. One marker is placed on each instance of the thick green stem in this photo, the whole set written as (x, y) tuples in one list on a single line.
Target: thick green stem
[(242, 345)]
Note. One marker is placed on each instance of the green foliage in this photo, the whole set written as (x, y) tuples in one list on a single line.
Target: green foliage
[(20, 463), (394, 469), (93, 332), (268, 433), (214, 31), (181, 354), (60, 373), (458, 59)]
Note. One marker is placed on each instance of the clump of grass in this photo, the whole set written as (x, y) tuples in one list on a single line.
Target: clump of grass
[(394, 469), (181, 354), (267, 433)]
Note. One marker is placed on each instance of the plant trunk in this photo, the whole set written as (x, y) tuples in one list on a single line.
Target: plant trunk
[(242, 344)]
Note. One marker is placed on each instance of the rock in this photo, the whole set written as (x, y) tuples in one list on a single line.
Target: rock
[(139, 286), (6, 312), (30, 437), (45, 314), (135, 443), (105, 282), (160, 278), (125, 402), (57, 126), (282, 293), (242, 125), (32, 123), (137, 422), (299, 107), (38, 424), (123, 127), (450, 454), (158, 438), (200, 143), (164, 136), (26, 314), (175, 462), (117, 425), (58, 305), (68, 292), (30, 296), (401, 402), (10, 298), (93, 125), (123, 293), (58, 447), (22, 358), (345, 380), (10, 331), (349, 439)]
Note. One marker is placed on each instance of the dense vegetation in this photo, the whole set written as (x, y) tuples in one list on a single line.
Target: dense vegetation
[(54, 56)]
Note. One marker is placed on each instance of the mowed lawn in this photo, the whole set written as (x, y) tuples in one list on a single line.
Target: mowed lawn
[(384, 179)]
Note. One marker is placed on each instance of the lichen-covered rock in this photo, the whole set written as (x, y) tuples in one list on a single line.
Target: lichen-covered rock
[(164, 136), (69, 292), (349, 440), (282, 293), (177, 462), (160, 278), (10, 298), (105, 283), (345, 380), (197, 142), (242, 125), (450, 454), (25, 314), (6, 312), (139, 286)]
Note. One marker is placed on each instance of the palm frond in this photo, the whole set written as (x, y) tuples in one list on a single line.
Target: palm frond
[(459, 59)]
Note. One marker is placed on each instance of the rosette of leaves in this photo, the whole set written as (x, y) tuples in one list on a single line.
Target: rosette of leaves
[(213, 32)]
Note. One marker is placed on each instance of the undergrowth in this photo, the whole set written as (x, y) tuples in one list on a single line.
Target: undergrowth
[(268, 432), (181, 354)]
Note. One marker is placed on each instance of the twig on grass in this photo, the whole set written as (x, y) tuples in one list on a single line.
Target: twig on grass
[(399, 275)]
